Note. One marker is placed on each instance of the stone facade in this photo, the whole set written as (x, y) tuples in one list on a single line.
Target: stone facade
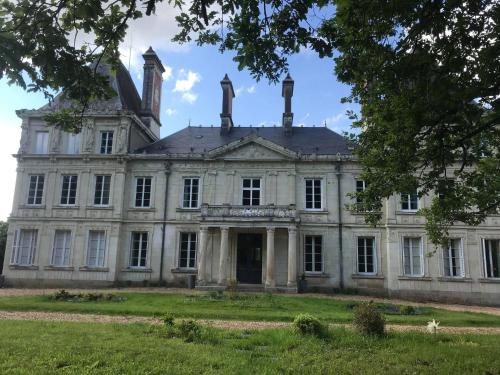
[(170, 216)]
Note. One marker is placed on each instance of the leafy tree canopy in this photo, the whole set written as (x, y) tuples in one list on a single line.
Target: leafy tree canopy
[(425, 72)]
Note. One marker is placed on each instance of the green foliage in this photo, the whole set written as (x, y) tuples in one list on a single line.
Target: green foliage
[(3, 242), (190, 330), (368, 320), (63, 295), (407, 310), (308, 324), (168, 319)]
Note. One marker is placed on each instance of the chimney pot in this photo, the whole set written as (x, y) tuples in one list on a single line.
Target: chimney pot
[(287, 93)]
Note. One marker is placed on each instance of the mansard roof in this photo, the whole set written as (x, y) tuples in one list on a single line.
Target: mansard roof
[(198, 140)]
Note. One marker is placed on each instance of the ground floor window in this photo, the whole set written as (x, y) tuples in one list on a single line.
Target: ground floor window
[(96, 248), (138, 249), (413, 264), (491, 251), (24, 249), (61, 249), (453, 258), (313, 254), (367, 260), (187, 258)]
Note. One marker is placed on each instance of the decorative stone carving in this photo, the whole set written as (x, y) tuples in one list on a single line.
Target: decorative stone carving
[(55, 140), (25, 138), (89, 136), (269, 211), (122, 138)]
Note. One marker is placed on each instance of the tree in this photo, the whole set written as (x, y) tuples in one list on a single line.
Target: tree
[(426, 73), (3, 242)]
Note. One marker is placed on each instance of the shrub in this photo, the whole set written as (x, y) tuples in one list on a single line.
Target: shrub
[(368, 320), (190, 330), (168, 320), (407, 310), (308, 324)]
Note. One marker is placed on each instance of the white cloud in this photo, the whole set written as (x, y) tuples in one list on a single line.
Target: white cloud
[(186, 81), (251, 89), (167, 74), (9, 144), (170, 112), (334, 119), (238, 91), (189, 97), (242, 89)]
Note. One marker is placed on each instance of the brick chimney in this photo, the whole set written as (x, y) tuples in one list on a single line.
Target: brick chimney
[(226, 117), (287, 93), (151, 91)]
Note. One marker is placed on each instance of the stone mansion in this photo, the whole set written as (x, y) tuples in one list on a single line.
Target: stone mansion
[(263, 207)]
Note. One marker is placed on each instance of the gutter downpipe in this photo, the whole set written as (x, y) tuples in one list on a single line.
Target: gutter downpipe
[(164, 225), (338, 169)]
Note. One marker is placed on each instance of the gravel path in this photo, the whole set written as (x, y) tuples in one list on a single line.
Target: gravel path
[(226, 324)]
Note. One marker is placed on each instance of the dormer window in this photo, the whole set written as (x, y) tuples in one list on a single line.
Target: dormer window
[(42, 142), (73, 143), (251, 192), (106, 142)]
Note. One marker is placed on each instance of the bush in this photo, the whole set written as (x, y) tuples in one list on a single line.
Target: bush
[(190, 330), (168, 320), (308, 324), (368, 320), (407, 310), (63, 295)]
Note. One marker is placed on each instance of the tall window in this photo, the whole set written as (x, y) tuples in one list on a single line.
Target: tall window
[(138, 250), (251, 192), (101, 193), (491, 252), (42, 143), (313, 254), (409, 201), (142, 191), (187, 258), (24, 250), (367, 260), (106, 142), (68, 191), (453, 258), (191, 192), (96, 248), (360, 187), (35, 192), (313, 194), (62, 246), (73, 143), (413, 264)]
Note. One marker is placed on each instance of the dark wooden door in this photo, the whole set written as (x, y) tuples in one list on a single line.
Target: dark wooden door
[(249, 258)]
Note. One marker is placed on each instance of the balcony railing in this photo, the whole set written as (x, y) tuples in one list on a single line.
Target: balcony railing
[(265, 212)]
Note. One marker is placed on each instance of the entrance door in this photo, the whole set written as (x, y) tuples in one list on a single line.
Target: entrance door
[(249, 258)]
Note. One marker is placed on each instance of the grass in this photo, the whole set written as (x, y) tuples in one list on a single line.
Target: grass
[(258, 307), (83, 348)]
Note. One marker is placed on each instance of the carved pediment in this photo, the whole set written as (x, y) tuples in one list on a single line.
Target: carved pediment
[(252, 149)]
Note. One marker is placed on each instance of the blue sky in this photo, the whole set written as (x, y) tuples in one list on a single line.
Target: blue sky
[(191, 92)]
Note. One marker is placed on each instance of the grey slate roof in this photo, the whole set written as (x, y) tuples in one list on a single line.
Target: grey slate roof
[(306, 140)]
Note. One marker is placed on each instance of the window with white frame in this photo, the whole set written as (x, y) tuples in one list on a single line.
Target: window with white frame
[(62, 248), (413, 263), (453, 258), (409, 201), (360, 187), (366, 256), (491, 254), (24, 248), (102, 188), (138, 249), (313, 194), (142, 191), (73, 143), (187, 251), (68, 190), (313, 251), (106, 142), (96, 248), (42, 142), (35, 192), (190, 196), (251, 192)]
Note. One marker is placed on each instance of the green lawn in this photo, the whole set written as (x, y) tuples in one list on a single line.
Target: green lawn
[(245, 307), (82, 348)]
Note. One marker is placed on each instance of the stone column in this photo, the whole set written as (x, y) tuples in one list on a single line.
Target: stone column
[(224, 248), (202, 255), (292, 257), (270, 282)]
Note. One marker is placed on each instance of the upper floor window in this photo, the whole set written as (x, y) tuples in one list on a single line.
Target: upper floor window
[(187, 251), (96, 248), (68, 190), (251, 192), (142, 191), (313, 251), (35, 192), (24, 250), (491, 253), (413, 263), (101, 193), (138, 249), (453, 258), (61, 249), (106, 142), (409, 201), (360, 187), (42, 142), (366, 255), (73, 143), (313, 194), (190, 197)]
